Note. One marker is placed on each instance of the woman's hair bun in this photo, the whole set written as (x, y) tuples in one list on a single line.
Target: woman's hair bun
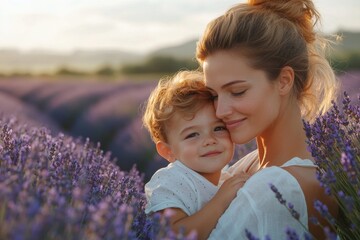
[(301, 12)]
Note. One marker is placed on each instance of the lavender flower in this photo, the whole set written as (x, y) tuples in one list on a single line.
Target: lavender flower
[(291, 234), (330, 235), (278, 195), (57, 187), (293, 212), (324, 211), (334, 141), (250, 236)]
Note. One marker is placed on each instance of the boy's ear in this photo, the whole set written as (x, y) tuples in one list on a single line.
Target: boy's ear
[(286, 80), (165, 151)]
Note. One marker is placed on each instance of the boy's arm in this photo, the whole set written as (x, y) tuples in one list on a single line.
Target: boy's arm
[(204, 221)]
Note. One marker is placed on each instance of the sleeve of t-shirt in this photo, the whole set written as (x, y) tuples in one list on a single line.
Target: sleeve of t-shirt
[(167, 189), (256, 209)]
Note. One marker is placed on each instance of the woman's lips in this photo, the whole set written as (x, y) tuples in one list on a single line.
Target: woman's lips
[(234, 123)]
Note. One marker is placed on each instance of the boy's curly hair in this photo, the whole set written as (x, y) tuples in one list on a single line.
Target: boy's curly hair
[(183, 93)]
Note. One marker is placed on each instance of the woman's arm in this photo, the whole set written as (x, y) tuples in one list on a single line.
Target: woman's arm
[(206, 218)]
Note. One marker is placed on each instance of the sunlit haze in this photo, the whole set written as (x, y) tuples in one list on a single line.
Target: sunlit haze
[(129, 25)]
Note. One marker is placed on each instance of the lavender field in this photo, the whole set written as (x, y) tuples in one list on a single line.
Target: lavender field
[(67, 153), (104, 112)]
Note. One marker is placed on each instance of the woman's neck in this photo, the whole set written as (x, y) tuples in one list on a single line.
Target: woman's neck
[(284, 140)]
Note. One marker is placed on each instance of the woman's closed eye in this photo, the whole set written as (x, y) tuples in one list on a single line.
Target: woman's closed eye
[(238, 93)]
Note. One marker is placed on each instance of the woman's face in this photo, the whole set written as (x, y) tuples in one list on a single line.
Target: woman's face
[(245, 99)]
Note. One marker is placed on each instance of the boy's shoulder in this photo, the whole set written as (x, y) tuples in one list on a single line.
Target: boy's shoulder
[(172, 171), (177, 173), (170, 179), (174, 168)]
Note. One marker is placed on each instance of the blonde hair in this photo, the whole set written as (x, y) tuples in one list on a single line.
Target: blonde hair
[(273, 34), (184, 93)]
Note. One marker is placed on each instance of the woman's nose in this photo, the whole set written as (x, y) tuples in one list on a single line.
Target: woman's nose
[(222, 107)]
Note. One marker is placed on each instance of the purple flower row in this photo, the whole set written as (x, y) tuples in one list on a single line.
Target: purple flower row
[(58, 187), (334, 141)]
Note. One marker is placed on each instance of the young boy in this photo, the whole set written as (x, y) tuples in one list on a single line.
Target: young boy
[(180, 117)]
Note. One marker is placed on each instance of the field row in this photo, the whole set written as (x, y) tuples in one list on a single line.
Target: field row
[(105, 112)]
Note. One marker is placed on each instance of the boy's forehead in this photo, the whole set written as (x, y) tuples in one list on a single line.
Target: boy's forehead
[(178, 121), (180, 117)]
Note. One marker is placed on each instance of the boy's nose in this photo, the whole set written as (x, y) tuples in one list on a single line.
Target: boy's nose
[(209, 140)]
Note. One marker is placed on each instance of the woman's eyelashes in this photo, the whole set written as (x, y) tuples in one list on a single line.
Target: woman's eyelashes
[(214, 97), (213, 94), (238, 93)]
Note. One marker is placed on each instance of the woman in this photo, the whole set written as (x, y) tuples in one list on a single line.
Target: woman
[(265, 67)]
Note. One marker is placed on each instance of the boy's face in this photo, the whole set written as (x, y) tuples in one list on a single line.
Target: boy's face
[(202, 143)]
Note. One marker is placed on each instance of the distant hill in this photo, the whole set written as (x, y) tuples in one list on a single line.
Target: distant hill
[(182, 51), (12, 60), (350, 42)]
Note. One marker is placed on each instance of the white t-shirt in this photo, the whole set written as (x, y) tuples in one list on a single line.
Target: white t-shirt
[(177, 186), (256, 208)]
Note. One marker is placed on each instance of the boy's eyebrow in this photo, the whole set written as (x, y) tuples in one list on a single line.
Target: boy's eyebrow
[(229, 84), (186, 129)]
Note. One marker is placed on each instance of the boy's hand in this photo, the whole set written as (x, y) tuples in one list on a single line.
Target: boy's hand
[(229, 188)]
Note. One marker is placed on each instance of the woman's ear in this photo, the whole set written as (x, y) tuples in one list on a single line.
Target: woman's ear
[(165, 151), (286, 80)]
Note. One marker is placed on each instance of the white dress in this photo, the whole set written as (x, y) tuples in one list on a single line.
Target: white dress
[(256, 208), (177, 186)]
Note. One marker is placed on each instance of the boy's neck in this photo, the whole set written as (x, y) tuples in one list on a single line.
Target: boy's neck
[(212, 177)]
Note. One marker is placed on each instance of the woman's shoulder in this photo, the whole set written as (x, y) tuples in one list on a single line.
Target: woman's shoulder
[(263, 183), (271, 175)]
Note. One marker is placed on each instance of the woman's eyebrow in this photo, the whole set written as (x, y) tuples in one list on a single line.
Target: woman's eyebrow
[(232, 83), (228, 84)]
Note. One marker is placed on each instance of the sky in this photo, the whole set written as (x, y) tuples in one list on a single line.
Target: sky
[(138, 26)]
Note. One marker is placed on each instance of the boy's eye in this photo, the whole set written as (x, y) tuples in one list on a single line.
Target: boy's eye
[(220, 128), (191, 135)]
